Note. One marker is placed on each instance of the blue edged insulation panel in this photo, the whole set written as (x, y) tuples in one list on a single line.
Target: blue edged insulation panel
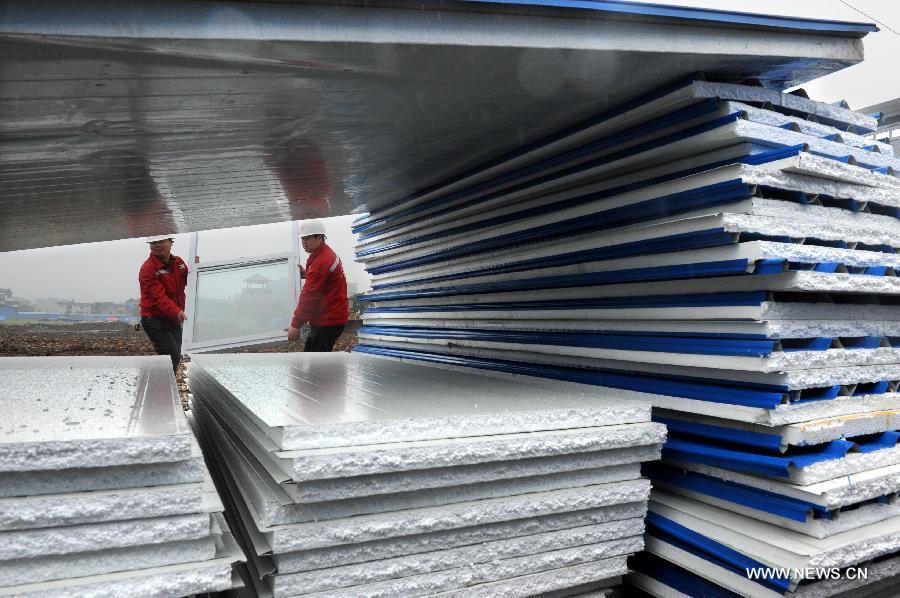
[(697, 544), (763, 397), (731, 259), (761, 500), (672, 577), (721, 454), (417, 271)]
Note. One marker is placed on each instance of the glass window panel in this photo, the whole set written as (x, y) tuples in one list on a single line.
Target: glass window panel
[(243, 301), (244, 242)]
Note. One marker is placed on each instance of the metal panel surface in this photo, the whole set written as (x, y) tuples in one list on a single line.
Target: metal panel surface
[(141, 118), (74, 539), (779, 547), (180, 579), (99, 562), (831, 494), (697, 217), (645, 10), (464, 556), (77, 404), (99, 506), (695, 567), (341, 399)]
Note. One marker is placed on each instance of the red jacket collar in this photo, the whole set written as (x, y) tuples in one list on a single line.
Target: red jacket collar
[(318, 250), (158, 263)]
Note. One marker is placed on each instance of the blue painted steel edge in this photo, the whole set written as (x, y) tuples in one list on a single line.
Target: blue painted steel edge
[(736, 299), (681, 449), (694, 240), (770, 442), (681, 344), (725, 17), (708, 549), (754, 498), (749, 395), (674, 576), (720, 268)]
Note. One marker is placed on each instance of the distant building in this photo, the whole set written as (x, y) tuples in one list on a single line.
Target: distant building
[(11, 302), (134, 307), (50, 305), (6, 310), (255, 287), (105, 308), (889, 123), (19, 308), (78, 307), (110, 308)]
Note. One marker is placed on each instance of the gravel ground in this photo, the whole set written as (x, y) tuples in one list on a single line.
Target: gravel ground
[(115, 338), (78, 338)]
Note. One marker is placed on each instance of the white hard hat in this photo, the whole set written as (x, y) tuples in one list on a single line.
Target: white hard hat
[(312, 227), (153, 238)]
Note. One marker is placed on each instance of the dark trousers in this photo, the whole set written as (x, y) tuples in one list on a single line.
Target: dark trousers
[(321, 339), (165, 334)]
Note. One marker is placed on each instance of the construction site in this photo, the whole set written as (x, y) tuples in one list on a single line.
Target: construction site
[(619, 313)]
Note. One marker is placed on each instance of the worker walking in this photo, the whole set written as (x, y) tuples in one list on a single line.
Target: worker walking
[(163, 277), (323, 299)]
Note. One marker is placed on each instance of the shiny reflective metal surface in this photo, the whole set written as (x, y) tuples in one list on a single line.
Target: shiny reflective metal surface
[(127, 119), (68, 399), (322, 389)]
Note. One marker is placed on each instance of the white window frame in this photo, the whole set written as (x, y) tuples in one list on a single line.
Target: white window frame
[(292, 260)]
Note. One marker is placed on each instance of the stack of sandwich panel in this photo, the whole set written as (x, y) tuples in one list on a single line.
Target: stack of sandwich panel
[(103, 490), (728, 253), (351, 475)]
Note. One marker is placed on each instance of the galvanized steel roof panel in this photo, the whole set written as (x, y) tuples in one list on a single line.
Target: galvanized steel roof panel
[(142, 118), (80, 398)]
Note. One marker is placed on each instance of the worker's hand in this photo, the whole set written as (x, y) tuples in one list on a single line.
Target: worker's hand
[(181, 317), (293, 334)]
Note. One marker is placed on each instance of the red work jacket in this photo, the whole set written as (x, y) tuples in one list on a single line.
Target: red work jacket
[(162, 287), (323, 300)]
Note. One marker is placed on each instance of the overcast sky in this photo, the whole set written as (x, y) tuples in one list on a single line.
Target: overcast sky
[(108, 271)]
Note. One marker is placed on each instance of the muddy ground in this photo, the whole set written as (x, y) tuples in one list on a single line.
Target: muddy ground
[(113, 338)]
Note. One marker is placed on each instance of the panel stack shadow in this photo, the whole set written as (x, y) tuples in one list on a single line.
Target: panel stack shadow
[(726, 252), (354, 475), (103, 490)]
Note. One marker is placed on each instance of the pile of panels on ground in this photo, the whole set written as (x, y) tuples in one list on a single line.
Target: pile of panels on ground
[(348, 475), (103, 490), (728, 253)]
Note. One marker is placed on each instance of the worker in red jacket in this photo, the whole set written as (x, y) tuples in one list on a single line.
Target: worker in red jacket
[(323, 299), (163, 277)]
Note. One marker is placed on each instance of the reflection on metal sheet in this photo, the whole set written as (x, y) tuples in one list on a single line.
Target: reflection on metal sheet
[(141, 118), (338, 388), (61, 399)]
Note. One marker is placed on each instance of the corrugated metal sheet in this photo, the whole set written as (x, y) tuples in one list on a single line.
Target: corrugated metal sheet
[(694, 257), (104, 487), (139, 118)]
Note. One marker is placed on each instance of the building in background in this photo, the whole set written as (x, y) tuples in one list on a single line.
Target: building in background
[(889, 124), (19, 308), (11, 302)]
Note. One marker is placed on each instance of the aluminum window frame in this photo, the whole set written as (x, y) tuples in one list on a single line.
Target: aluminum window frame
[(291, 259)]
